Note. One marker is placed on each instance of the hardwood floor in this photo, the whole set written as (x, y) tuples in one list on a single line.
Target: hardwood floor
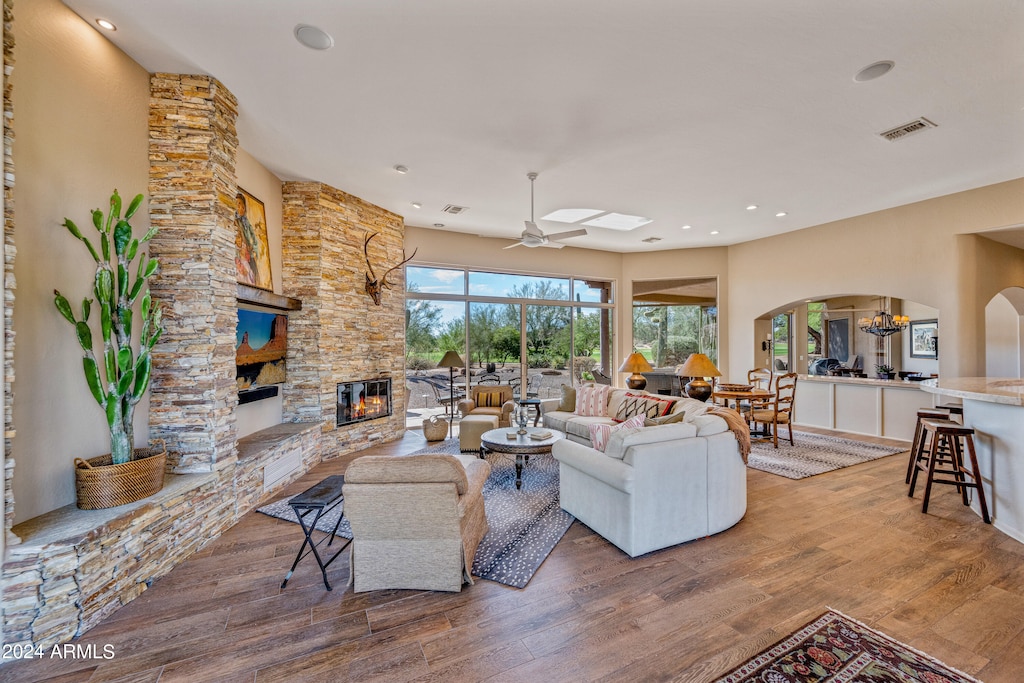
[(944, 583)]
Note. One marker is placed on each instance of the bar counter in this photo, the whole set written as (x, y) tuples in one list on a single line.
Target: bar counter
[(861, 405), (994, 408)]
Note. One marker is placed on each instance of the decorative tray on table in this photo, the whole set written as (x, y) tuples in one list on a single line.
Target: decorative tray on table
[(735, 387)]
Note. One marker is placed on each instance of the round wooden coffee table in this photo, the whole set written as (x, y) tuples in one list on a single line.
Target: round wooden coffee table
[(522, 446)]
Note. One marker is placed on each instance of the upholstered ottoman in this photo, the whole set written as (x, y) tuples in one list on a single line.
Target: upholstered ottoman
[(472, 427)]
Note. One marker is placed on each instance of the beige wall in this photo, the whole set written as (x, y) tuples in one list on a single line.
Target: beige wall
[(81, 111), (910, 252), (1002, 338)]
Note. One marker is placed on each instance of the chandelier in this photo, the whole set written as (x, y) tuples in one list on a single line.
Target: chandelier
[(883, 324)]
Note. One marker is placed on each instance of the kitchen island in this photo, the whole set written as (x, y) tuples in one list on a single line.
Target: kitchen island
[(874, 407), (994, 408)]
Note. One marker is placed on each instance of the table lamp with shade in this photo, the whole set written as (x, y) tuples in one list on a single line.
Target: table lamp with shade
[(451, 360), (697, 367), (635, 363)]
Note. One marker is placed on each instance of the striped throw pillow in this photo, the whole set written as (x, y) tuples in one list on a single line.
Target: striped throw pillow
[(592, 401), (489, 399), (599, 433)]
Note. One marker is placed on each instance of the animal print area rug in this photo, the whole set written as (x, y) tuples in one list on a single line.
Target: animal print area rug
[(525, 524)]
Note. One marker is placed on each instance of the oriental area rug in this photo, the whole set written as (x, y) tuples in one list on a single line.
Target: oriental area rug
[(835, 647), (813, 454), (524, 525)]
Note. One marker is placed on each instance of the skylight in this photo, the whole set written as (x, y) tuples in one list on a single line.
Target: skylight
[(618, 221), (571, 215)]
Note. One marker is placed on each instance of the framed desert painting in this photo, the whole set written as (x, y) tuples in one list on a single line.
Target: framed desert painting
[(252, 252)]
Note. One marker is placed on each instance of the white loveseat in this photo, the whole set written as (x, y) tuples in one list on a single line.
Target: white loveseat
[(654, 487)]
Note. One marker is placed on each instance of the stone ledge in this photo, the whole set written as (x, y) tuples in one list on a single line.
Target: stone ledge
[(258, 443), (69, 525)]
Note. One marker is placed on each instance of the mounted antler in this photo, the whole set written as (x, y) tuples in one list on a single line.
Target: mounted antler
[(373, 285)]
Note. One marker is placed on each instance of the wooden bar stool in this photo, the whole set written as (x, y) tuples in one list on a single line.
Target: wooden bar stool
[(919, 448), (949, 436), (953, 408)]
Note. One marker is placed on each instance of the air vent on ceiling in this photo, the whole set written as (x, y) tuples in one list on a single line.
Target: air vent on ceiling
[(651, 240), (455, 210), (900, 132)]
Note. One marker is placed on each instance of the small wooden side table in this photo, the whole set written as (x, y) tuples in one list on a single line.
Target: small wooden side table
[(317, 500)]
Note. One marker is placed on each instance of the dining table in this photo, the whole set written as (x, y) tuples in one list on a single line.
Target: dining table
[(753, 395)]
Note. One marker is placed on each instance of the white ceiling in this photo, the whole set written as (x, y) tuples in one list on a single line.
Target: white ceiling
[(684, 111)]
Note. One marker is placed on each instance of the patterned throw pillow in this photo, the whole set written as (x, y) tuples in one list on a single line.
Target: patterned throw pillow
[(489, 399), (665, 419), (592, 401), (644, 404), (599, 434)]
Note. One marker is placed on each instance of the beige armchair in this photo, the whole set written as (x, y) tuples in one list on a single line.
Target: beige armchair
[(493, 400), (416, 520)]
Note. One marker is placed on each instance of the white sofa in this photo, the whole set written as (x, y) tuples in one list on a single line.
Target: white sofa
[(654, 487)]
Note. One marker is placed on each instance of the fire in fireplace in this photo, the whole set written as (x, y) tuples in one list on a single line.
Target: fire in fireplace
[(366, 399)]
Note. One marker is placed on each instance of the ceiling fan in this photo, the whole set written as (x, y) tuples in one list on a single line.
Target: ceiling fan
[(534, 237)]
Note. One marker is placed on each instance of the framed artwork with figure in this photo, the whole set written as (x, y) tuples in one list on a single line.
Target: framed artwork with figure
[(924, 339), (252, 251)]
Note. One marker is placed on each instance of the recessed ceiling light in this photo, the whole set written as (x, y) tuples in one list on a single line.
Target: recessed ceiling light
[(873, 71), (314, 38), (103, 23), (686, 227), (780, 214), (714, 232), (751, 207), (618, 221), (438, 225), (417, 205), (401, 169), (571, 215)]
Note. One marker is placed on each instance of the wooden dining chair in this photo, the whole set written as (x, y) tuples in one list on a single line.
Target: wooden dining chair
[(759, 378), (780, 410)]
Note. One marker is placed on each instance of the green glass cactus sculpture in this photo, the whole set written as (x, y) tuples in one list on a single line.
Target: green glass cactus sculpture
[(124, 376)]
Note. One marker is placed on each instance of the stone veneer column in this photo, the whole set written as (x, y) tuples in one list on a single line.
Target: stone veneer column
[(340, 335), (9, 283), (192, 184)]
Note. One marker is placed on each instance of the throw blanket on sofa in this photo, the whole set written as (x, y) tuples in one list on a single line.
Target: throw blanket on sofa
[(738, 426)]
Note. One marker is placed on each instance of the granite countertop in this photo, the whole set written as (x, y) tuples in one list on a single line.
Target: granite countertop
[(869, 381), (1006, 390)]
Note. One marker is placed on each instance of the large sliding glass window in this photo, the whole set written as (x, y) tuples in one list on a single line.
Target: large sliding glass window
[(533, 332)]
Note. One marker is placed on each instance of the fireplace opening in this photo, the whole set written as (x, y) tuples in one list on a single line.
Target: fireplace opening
[(367, 399)]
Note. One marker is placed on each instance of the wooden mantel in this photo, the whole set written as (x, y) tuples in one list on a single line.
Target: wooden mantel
[(260, 297)]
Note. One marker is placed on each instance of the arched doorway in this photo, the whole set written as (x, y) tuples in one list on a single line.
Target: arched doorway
[(1004, 329)]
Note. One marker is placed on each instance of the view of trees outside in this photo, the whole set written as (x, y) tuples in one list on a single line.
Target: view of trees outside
[(431, 328), (667, 335), (564, 341), (815, 328), (780, 342)]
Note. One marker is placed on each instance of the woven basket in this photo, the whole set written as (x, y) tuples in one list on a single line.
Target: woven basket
[(435, 428), (101, 484)]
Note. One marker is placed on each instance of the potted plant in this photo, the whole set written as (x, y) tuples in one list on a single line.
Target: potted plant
[(885, 371), (118, 371)]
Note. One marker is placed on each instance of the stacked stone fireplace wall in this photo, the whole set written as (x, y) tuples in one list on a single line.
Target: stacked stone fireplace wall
[(340, 335), (58, 586)]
